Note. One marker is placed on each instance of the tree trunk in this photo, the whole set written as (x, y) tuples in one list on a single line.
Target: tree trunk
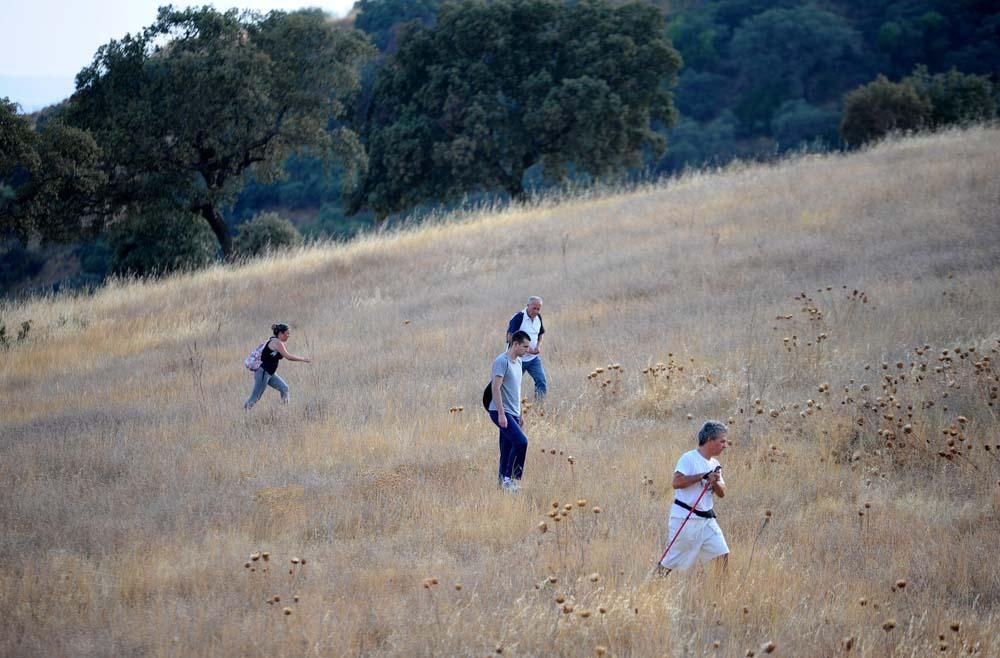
[(218, 225)]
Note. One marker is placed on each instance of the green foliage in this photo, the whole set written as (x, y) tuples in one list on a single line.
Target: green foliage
[(498, 87), (183, 110), (920, 100), (16, 140), (381, 19), (49, 178), (162, 240), (696, 36), (694, 145), (266, 232), (881, 107), (333, 222), (700, 95), (955, 98), (798, 122), (310, 182), (780, 51)]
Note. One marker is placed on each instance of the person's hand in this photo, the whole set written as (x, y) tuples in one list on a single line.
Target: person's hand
[(713, 477), (520, 421), (307, 360), (502, 420), (535, 350)]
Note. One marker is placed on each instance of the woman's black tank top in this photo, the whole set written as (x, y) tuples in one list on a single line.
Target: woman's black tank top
[(269, 359)]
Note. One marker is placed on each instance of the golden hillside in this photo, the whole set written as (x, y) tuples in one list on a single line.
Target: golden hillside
[(840, 311)]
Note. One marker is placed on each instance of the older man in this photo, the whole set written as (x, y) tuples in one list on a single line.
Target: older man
[(529, 320), (695, 535)]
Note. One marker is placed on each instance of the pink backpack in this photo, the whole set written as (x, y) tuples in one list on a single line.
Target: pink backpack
[(252, 362)]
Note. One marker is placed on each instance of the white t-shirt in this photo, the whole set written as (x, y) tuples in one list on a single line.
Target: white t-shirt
[(532, 327), (692, 463)]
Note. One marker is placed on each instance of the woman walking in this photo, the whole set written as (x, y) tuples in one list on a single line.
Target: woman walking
[(266, 375)]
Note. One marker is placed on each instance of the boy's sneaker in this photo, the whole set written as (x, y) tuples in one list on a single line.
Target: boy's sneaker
[(510, 485)]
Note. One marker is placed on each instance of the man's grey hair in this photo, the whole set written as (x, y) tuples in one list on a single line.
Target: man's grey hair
[(710, 430), (533, 299)]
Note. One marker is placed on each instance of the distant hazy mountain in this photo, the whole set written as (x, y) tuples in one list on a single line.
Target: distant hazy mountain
[(35, 92)]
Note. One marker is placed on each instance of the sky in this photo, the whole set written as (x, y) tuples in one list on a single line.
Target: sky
[(45, 43)]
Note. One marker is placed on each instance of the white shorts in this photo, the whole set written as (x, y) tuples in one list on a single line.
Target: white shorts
[(701, 540)]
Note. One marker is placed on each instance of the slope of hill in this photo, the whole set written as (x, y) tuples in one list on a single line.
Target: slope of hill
[(840, 311)]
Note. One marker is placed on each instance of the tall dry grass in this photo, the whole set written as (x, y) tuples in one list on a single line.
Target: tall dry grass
[(134, 489)]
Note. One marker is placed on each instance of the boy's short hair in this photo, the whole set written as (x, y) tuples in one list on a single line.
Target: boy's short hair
[(710, 430), (520, 336)]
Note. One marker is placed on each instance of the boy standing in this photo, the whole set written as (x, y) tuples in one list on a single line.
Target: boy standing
[(505, 410)]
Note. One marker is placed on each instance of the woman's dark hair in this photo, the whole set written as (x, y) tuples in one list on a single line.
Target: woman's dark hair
[(278, 328)]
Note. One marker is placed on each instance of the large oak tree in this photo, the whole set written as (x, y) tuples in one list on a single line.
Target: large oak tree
[(497, 87), (183, 110)]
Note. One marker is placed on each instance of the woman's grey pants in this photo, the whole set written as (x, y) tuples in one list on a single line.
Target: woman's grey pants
[(261, 380)]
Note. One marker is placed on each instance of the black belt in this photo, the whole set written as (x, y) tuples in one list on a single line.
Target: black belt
[(710, 514)]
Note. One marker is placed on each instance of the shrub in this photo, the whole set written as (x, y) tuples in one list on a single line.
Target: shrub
[(266, 232), (880, 107), (162, 241), (22, 335), (954, 97)]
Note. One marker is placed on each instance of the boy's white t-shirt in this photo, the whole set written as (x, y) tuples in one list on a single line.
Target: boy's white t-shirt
[(692, 463)]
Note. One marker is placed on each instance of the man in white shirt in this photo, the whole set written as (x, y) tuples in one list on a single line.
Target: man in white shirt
[(529, 320), (694, 534)]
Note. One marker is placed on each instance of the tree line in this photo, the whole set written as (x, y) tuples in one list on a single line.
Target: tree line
[(178, 137)]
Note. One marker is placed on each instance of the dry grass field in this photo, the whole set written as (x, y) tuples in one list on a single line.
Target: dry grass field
[(841, 312)]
